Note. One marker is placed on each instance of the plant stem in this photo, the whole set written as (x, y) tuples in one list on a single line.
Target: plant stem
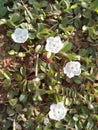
[(36, 68), (29, 13), (69, 127), (27, 51)]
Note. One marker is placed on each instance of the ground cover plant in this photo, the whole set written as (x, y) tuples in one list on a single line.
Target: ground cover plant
[(49, 65)]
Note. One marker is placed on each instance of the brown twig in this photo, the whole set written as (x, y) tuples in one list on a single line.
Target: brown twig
[(36, 68)]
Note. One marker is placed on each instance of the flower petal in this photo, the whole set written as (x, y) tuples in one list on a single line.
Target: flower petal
[(51, 115)]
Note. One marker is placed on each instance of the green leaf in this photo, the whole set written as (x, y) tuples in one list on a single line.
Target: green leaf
[(40, 27), (94, 6), (39, 127), (16, 47), (23, 85), (27, 26), (73, 56), (76, 117), (37, 97), (83, 52), (51, 73), (64, 22), (0, 117), (11, 52), (7, 125), (10, 24), (42, 91), (23, 98), (59, 125), (7, 75), (29, 124), (18, 107), (95, 116), (21, 54), (71, 123), (41, 76), (77, 80), (90, 124), (74, 6), (77, 23), (73, 110), (18, 77), (87, 15), (2, 2), (84, 4), (1, 76), (85, 111), (45, 31), (88, 76), (13, 101), (34, 3), (67, 2), (10, 94), (67, 46), (31, 86), (31, 36), (78, 126), (68, 101), (23, 70), (3, 11), (7, 83), (40, 118), (39, 49), (2, 21), (43, 4), (16, 17), (10, 111)]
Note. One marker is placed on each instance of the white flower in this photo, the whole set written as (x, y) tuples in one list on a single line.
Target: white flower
[(46, 121), (72, 69), (84, 27), (36, 79), (90, 106), (20, 35), (54, 44), (57, 111)]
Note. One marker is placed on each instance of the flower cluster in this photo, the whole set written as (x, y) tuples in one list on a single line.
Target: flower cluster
[(54, 45), (71, 69)]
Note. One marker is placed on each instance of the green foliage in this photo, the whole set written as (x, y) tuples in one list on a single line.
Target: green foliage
[(67, 46), (3, 9), (31, 79)]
